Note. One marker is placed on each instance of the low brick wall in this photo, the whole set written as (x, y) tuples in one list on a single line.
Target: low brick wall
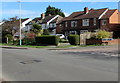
[(107, 42)]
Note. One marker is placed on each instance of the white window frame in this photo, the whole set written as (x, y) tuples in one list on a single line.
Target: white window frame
[(54, 24), (73, 32), (104, 22), (85, 22), (73, 23), (94, 21), (66, 24), (50, 25)]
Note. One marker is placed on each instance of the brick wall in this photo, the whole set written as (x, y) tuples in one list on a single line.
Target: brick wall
[(108, 42)]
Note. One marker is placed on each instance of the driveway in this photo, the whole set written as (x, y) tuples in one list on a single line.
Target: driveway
[(51, 64)]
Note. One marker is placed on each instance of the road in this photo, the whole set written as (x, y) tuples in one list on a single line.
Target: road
[(46, 64)]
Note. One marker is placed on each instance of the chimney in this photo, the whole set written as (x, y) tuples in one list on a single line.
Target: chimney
[(92, 9), (42, 15), (49, 15), (86, 10)]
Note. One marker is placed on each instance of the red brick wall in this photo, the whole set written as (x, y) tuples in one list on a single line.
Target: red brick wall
[(108, 42)]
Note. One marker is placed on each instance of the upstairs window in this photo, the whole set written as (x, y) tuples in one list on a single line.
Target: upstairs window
[(51, 25), (54, 24), (104, 22), (73, 23), (85, 22), (94, 21), (66, 24)]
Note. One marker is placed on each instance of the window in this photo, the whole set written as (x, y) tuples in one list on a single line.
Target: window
[(85, 22), (73, 32), (66, 24), (104, 22), (51, 25), (73, 23), (94, 21), (54, 25)]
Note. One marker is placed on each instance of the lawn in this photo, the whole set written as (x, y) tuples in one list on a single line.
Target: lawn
[(28, 46), (33, 46)]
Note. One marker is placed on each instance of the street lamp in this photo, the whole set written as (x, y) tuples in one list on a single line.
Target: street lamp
[(20, 23)]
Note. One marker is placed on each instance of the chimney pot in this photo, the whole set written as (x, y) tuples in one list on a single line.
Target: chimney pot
[(86, 10), (42, 15)]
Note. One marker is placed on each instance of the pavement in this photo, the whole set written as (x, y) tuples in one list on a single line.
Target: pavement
[(52, 64)]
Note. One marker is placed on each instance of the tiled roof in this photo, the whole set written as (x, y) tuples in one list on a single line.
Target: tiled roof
[(94, 13), (47, 18), (37, 18), (17, 21), (108, 14)]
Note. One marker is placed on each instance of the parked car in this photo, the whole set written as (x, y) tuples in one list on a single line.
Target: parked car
[(60, 35)]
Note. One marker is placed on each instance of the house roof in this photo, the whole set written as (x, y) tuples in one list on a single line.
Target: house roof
[(108, 14), (17, 21), (37, 18), (57, 19), (93, 13), (47, 18)]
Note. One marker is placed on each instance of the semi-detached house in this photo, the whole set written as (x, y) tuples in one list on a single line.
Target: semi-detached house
[(47, 22), (91, 21)]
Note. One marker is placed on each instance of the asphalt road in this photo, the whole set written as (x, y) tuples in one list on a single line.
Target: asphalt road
[(50, 65)]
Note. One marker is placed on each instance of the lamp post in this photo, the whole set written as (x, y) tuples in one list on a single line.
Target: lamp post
[(20, 23)]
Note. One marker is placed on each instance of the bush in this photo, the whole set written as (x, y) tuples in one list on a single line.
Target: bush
[(74, 39), (10, 38), (28, 41), (62, 40), (47, 39), (102, 34), (46, 32)]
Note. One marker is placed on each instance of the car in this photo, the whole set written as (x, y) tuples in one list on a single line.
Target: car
[(60, 35)]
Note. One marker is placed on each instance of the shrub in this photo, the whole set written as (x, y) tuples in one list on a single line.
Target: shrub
[(10, 37), (74, 39), (28, 41), (47, 39), (102, 34), (46, 32)]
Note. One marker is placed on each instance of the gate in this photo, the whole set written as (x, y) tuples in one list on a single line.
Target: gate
[(83, 37)]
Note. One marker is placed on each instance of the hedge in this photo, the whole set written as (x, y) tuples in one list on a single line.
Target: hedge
[(47, 39), (74, 39)]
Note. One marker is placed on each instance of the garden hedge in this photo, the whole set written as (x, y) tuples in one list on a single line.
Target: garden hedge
[(74, 39), (47, 39)]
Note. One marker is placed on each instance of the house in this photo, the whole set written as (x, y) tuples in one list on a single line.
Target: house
[(14, 26), (91, 21), (1, 23), (48, 22)]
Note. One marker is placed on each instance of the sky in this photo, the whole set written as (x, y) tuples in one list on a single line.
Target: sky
[(34, 9)]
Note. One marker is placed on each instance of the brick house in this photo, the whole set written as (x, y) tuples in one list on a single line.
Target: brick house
[(91, 21)]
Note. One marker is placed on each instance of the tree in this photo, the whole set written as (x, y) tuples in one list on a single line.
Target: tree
[(37, 29), (102, 34), (46, 32), (10, 26), (54, 11)]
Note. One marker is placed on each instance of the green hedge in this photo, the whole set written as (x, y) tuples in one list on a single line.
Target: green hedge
[(74, 39), (47, 39)]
